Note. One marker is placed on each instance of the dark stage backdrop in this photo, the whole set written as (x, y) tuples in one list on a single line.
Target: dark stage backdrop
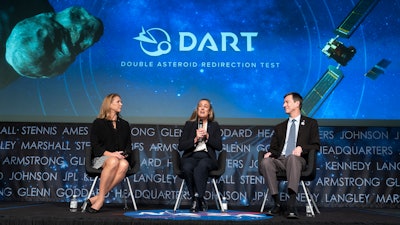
[(163, 56), (357, 166)]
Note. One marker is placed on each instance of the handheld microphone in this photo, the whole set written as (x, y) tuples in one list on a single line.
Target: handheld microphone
[(200, 125)]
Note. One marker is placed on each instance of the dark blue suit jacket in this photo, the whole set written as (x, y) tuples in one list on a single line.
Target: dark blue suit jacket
[(307, 136)]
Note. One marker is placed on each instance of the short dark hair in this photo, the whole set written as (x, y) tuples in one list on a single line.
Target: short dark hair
[(296, 97)]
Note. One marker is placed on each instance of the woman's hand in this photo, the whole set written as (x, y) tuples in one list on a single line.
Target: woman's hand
[(120, 155), (117, 154), (201, 133)]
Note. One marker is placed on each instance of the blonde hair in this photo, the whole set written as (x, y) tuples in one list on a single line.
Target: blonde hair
[(105, 106), (211, 115)]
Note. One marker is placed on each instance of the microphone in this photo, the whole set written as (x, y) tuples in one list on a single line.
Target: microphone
[(200, 125)]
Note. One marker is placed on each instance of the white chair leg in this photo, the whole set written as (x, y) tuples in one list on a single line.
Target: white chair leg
[(309, 199), (312, 199), (131, 192), (178, 199), (218, 196), (89, 194), (264, 201)]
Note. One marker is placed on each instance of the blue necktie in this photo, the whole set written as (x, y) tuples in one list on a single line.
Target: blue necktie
[(291, 143)]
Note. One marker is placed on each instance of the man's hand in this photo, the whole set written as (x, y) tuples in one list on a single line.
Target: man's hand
[(297, 151), (266, 155)]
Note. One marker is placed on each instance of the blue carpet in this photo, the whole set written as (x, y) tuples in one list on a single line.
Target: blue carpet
[(164, 214)]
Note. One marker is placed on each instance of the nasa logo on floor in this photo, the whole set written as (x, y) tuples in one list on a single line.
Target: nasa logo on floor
[(163, 214)]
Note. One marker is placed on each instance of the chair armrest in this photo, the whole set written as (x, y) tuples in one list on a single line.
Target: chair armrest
[(310, 172), (135, 161), (90, 171), (222, 161), (221, 165), (176, 163), (260, 158)]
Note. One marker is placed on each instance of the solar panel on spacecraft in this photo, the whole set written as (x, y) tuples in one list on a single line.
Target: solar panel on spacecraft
[(378, 69), (355, 18), (321, 90), (340, 53)]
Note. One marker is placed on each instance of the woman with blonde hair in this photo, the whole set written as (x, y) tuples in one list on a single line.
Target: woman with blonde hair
[(110, 140)]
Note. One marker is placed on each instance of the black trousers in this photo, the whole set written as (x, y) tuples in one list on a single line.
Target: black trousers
[(195, 169)]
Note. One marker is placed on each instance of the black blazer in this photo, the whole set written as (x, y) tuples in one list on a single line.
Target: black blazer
[(307, 136), (103, 137), (214, 142)]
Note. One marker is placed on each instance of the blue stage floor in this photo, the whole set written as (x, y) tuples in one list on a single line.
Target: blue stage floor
[(50, 213), (213, 215)]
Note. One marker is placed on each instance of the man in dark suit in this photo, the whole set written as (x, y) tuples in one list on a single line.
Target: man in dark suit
[(287, 152)]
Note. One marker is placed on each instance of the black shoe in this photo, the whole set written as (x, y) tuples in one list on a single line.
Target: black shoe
[(292, 210), (91, 210), (195, 206), (276, 210), (203, 205), (292, 213), (86, 204)]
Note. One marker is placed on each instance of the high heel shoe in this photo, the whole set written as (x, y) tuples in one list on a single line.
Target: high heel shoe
[(195, 205), (91, 210), (203, 205), (86, 204)]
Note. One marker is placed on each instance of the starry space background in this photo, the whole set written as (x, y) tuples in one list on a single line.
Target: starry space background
[(291, 34)]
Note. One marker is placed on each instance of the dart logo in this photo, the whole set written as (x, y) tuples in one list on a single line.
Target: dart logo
[(154, 41)]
